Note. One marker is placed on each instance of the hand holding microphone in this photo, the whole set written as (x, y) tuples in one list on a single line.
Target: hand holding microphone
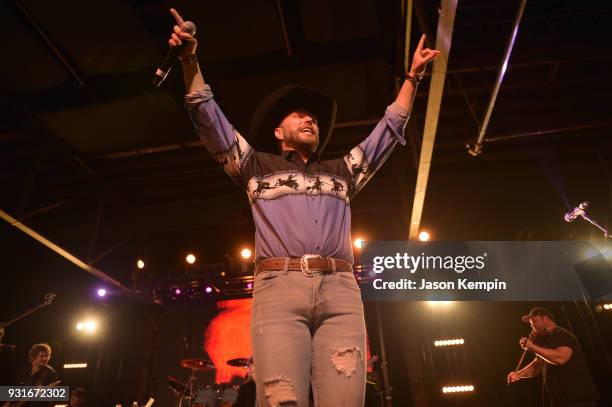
[(182, 46), (183, 38), (526, 343)]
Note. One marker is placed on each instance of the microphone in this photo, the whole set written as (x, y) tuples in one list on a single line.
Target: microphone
[(166, 65), (577, 211)]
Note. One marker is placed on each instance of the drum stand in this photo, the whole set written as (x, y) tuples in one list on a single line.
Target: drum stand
[(187, 395)]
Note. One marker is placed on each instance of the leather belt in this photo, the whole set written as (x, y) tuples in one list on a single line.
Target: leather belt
[(307, 264)]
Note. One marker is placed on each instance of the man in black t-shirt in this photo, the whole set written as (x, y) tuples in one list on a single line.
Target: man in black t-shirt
[(560, 361), (37, 373)]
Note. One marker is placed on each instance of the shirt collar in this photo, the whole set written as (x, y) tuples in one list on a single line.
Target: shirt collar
[(292, 154)]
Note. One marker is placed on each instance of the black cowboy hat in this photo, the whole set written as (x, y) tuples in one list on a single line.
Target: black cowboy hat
[(283, 101)]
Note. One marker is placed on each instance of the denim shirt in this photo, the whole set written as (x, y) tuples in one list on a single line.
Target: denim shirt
[(298, 208)]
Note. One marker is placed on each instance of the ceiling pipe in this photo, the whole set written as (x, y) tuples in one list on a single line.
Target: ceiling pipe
[(476, 148), (284, 28)]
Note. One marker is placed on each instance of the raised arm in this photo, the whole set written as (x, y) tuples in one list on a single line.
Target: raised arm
[(192, 75), (364, 159), (218, 135), (420, 59)]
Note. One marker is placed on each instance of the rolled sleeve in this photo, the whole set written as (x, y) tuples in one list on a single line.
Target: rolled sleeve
[(218, 135), (363, 160), (397, 118), (193, 99)]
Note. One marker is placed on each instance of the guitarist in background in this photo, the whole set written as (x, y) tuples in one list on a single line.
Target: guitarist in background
[(39, 373)]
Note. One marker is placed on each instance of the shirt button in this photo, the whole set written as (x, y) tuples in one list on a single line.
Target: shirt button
[(313, 198), (316, 221), (317, 247)]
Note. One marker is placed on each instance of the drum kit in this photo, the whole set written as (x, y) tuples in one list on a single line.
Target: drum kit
[(190, 394)]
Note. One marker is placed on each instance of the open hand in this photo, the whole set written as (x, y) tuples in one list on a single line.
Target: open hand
[(180, 38), (421, 57)]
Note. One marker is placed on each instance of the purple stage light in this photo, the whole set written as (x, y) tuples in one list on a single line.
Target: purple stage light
[(250, 285), (208, 289), (101, 292), (177, 291)]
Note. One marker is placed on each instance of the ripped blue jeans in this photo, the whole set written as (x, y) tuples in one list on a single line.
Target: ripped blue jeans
[(308, 330)]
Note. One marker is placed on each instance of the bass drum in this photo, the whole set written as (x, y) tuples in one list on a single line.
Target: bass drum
[(229, 396), (206, 397)]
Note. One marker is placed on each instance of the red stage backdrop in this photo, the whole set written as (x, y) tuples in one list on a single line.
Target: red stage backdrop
[(228, 336)]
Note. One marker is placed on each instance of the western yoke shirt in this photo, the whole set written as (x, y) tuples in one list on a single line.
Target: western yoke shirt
[(298, 208)]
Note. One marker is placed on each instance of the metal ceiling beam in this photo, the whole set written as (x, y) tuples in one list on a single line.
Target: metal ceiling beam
[(51, 44), (535, 133), (198, 143), (98, 180), (97, 273), (444, 35)]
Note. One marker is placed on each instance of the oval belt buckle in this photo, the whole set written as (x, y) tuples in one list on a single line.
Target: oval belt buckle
[(304, 264)]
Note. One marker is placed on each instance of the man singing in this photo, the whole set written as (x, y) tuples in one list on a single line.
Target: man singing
[(560, 361), (307, 322)]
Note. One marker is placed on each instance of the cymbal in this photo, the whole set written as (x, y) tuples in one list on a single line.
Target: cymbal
[(238, 362), (199, 364)]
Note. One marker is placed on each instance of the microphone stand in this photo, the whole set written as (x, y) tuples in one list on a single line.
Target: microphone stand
[(520, 362), (580, 210), (46, 301), (592, 222)]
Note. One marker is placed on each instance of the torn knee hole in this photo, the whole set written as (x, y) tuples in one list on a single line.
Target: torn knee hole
[(345, 360), (280, 392)]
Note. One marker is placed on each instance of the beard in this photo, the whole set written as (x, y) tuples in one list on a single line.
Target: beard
[(295, 139)]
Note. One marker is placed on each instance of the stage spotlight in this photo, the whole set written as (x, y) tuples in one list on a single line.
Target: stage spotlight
[(91, 326), (190, 258), (424, 236), (176, 291), (101, 292), (140, 264), (458, 389), (607, 307), (358, 243), (436, 304), (208, 289), (449, 342), (245, 253), (88, 326), (75, 365), (249, 286)]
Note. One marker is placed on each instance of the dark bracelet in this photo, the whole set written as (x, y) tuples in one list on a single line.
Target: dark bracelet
[(189, 59), (415, 79)]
